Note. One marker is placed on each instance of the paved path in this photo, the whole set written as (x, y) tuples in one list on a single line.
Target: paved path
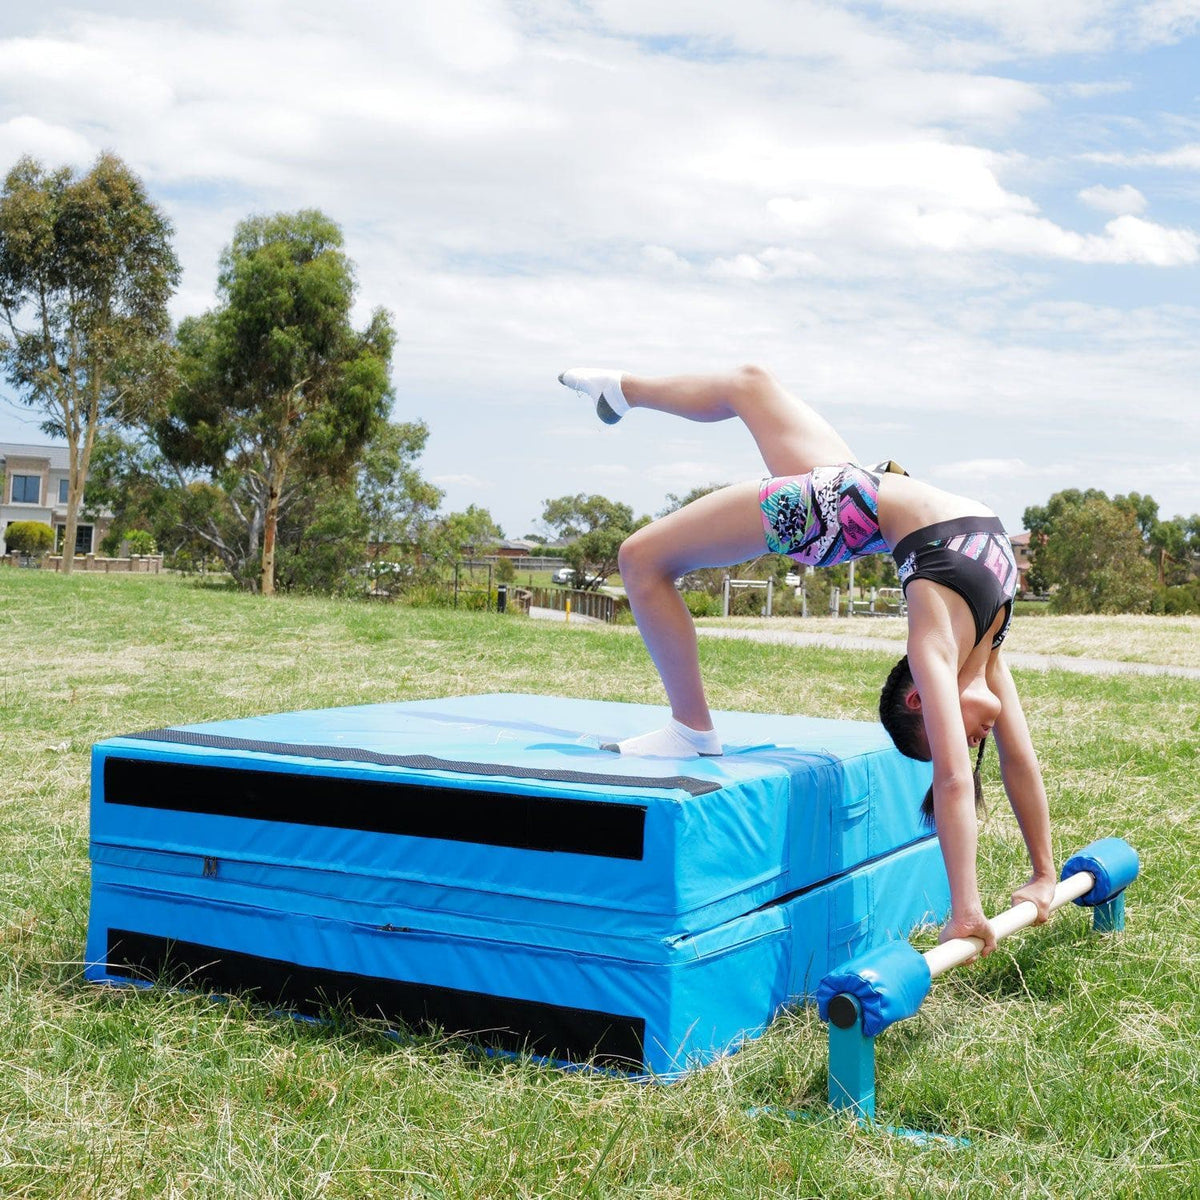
[(1015, 658)]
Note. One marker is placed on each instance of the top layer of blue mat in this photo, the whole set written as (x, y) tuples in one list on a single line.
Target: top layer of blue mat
[(506, 804)]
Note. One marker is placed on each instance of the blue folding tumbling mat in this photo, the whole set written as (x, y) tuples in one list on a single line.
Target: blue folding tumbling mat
[(480, 864)]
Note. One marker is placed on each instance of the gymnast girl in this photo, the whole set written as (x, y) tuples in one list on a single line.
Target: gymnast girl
[(819, 506)]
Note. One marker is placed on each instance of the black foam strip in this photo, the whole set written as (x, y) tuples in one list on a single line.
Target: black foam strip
[(550, 1030), (599, 828)]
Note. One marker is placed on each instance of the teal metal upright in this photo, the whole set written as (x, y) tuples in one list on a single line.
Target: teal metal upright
[(851, 1060), (1109, 917)]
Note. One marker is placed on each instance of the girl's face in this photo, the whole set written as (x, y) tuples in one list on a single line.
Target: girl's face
[(980, 707)]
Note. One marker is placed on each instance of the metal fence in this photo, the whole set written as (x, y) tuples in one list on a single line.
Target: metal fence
[(526, 564)]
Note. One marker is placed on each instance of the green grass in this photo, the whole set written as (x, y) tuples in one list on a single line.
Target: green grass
[(1069, 1060)]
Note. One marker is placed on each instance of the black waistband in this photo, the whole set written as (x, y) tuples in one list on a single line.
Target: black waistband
[(943, 530)]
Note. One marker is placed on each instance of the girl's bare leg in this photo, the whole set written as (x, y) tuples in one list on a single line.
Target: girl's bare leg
[(719, 529), (792, 437)]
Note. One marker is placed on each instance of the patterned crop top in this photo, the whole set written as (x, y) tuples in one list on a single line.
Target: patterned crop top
[(973, 557)]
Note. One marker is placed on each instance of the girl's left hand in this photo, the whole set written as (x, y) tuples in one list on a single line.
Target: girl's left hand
[(1040, 890)]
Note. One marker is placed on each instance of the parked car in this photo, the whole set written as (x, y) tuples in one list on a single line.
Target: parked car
[(566, 576)]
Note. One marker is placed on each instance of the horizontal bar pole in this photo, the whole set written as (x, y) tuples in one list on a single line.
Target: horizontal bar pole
[(957, 951)]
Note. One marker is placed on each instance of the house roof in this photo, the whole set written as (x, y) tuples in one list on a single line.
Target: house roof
[(57, 455)]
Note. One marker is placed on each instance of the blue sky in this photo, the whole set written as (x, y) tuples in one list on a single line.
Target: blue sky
[(967, 230)]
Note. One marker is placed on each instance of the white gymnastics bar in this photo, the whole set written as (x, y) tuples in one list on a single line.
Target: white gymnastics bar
[(957, 951)]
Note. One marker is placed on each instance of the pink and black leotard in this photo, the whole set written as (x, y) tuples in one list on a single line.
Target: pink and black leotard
[(973, 557), (831, 515)]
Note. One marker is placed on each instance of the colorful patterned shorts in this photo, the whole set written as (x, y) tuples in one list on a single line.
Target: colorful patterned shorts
[(828, 516)]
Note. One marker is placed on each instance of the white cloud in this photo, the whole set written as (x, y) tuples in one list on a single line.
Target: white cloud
[(978, 469), (44, 141), (1065, 26), (663, 256), (1088, 91), (1166, 21), (960, 221), (464, 481), (1121, 201), (1185, 158), (740, 267)]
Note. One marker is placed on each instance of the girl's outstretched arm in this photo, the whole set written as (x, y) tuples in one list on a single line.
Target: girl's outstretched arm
[(1022, 776), (933, 659)]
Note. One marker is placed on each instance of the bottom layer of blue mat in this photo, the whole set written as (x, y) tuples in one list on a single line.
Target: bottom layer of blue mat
[(651, 1005)]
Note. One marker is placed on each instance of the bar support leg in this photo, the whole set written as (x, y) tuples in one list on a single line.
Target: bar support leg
[(1109, 917), (851, 1060)]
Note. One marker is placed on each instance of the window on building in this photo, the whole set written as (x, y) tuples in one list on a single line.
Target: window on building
[(26, 489), (62, 491), (83, 538)]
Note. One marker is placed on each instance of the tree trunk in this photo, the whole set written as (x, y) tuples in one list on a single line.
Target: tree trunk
[(271, 520), (73, 490)]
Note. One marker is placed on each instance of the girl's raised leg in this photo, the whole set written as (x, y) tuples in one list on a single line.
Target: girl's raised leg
[(791, 436)]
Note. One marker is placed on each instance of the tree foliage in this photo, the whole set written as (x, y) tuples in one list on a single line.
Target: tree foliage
[(461, 535), (277, 389), (86, 270), (1092, 552), (596, 526), (398, 505)]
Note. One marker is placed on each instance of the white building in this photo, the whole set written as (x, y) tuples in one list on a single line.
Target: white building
[(35, 489)]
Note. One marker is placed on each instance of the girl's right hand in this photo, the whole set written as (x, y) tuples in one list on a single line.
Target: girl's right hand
[(973, 924)]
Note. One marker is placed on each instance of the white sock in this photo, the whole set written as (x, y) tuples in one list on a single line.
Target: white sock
[(601, 384), (674, 740)]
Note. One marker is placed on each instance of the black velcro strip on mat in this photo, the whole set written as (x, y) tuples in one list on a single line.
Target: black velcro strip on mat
[(523, 1026), (596, 827), (427, 762)]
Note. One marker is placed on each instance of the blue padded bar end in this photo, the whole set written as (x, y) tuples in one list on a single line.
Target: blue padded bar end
[(888, 982), (1112, 862)]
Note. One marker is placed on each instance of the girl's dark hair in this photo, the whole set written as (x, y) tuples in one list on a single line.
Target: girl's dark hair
[(907, 729)]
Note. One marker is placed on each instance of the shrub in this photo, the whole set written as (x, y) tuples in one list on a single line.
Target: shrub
[(701, 604), (29, 537), (140, 541), (1177, 601)]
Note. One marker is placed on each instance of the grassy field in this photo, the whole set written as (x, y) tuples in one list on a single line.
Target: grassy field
[(1069, 1060)]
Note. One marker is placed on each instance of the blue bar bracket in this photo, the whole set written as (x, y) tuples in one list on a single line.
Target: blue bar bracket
[(852, 1074), (1109, 917), (851, 1060)]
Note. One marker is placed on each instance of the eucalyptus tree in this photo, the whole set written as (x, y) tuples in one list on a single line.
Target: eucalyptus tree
[(277, 389), (595, 527), (86, 270)]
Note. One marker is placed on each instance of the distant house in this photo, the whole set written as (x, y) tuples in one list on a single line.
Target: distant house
[(516, 548), (1021, 555), (35, 489)]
